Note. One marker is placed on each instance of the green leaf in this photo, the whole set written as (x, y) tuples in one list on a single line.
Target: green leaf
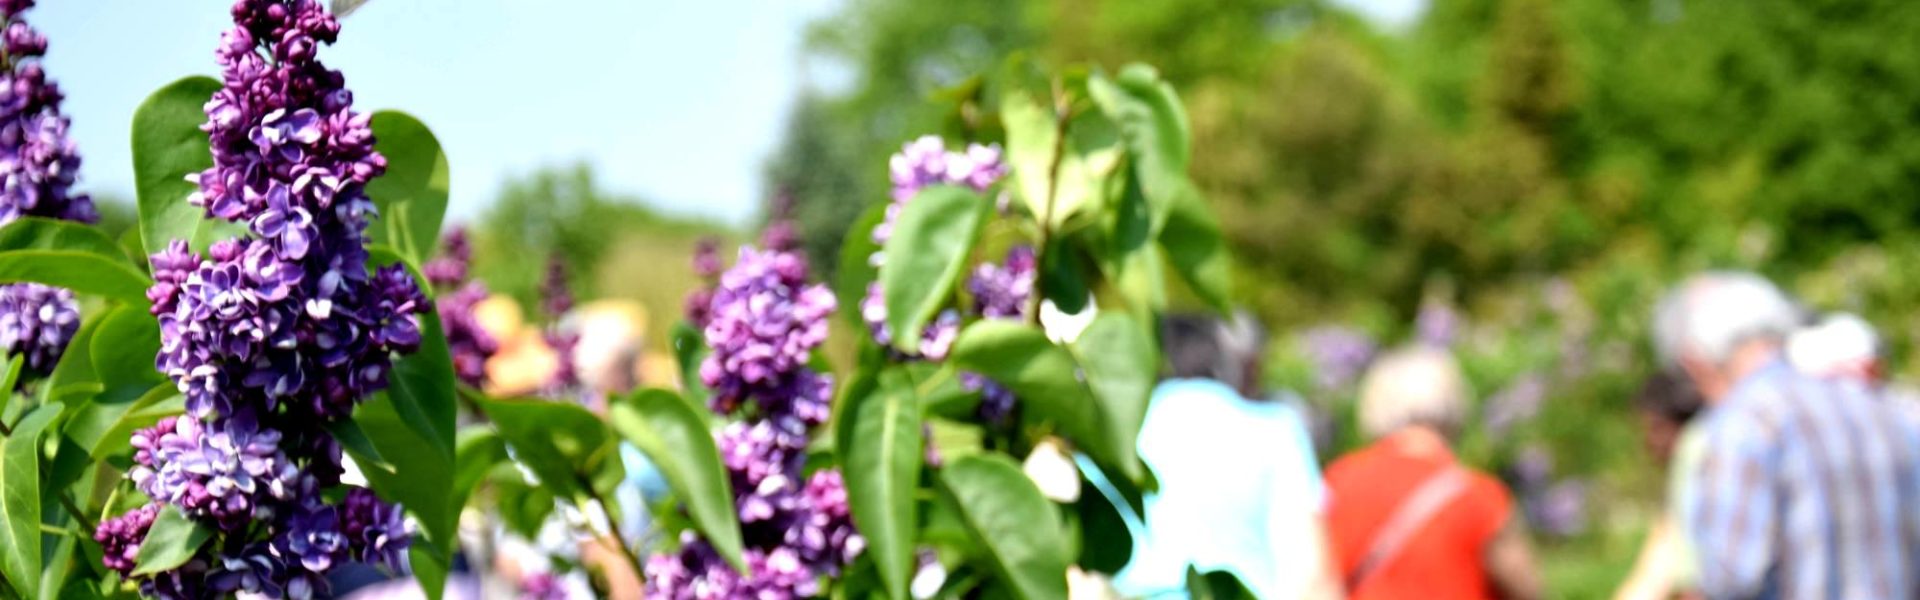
[(881, 463), (1154, 127), (565, 446), (20, 500), (1193, 244), (355, 441), (168, 145), (856, 270), (41, 233), (74, 375), (1090, 153), (171, 542), (429, 564), (15, 362), (675, 437), (123, 348), (83, 272), (689, 348), (932, 239), (1042, 374), (412, 195), (477, 451), (523, 507), (1120, 361), (1009, 519), (1131, 261), (102, 425)]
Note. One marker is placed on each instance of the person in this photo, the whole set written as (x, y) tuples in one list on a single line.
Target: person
[(1806, 486), (1666, 403), (1406, 519), (1838, 345), (1240, 489)]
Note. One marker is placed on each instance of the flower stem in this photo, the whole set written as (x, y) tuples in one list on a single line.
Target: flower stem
[(1062, 114)]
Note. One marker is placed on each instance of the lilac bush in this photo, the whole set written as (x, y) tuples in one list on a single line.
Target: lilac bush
[(469, 344), (274, 335)]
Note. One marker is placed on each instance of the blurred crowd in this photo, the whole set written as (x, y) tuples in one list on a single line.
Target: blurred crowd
[(1791, 466)]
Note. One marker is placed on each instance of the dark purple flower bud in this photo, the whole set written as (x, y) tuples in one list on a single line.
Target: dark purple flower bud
[(120, 537), (375, 531), (556, 296), (706, 258), (780, 235), (469, 343)]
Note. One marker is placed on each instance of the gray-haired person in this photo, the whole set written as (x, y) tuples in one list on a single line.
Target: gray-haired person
[(1806, 487)]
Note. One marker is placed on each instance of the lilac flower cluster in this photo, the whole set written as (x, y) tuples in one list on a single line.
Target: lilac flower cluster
[(467, 342), (1338, 354), (1001, 291), (271, 336), (706, 266), (36, 322), (1556, 507), (1518, 402), (924, 162), (1437, 325), (38, 167), (556, 298), (764, 322), (38, 162)]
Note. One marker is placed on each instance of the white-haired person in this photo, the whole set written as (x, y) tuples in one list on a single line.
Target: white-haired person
[(1805, 486), (1406, 519)]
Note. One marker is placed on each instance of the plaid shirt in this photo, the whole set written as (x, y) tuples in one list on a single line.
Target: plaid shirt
[(1809, 488)]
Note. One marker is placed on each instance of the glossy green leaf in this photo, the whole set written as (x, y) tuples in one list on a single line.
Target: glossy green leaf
[(171, 541), (856, 270), (568, 448), (1132, 261), (880, 460), (1015, 526), (675, 437), (83, 272), (123, 348), (523, 507), (477, 451), (168, 145), (1153, 125), (101, 426), (1043, 375), (10, 378), (1090, 153), (355, 442), (429, 564), (1118, 356), (41, 233), (1194, 246), (932, 239), (20, 500), (73, 377), (689, 348), (412, 195)]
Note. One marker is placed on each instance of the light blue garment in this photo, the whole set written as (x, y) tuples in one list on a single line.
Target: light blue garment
[(1238, 489)]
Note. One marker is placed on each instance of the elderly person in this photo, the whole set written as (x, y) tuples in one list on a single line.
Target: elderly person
[(1255, 515), (1807, 487), (1407, 520)]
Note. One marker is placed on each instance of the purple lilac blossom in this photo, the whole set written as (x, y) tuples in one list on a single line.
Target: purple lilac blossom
[(1438, 324), (542, 586), (36, 322), (39, 164), (469, 344), (706, 266), (1001, 291), (556, 298), (120, 537), (450, 268), (921, 163), (274, 334), (765, 321), (1559, 509), (1338, 354), (1517, 403)]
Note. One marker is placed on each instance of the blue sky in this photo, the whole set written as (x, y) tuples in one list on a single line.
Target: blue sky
[(678, 102)]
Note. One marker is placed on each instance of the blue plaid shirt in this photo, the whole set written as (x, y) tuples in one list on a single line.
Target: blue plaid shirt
[(1809, 488)]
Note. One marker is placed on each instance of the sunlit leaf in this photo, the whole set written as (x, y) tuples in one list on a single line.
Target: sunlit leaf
[(675, 437), (932, 239)]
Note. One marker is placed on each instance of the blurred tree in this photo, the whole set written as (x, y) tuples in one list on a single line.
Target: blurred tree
[(562, 212)]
